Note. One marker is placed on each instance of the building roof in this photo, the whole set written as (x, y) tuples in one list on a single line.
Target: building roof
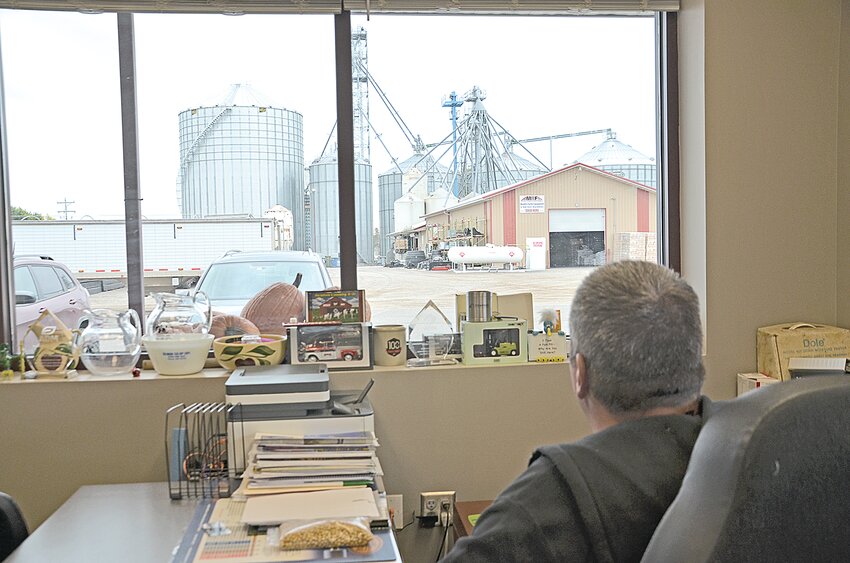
[(578, 166), (244, 95), (614, 152)]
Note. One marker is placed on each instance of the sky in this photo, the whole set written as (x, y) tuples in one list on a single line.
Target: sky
[(542, 76)]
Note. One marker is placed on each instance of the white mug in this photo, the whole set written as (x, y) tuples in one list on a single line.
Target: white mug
[(390, 345)]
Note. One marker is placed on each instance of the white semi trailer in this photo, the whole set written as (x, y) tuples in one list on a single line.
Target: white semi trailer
[(176, 249)]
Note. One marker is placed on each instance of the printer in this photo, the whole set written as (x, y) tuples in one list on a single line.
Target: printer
[(291, 400)]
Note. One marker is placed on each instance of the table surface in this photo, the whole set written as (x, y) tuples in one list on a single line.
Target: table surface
[(138, 522), (128, 523)]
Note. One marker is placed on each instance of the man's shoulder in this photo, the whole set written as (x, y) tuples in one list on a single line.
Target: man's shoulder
[(676, 428), (645, 442)]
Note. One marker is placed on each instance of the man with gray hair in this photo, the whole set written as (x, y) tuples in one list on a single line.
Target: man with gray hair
[(636, 370)]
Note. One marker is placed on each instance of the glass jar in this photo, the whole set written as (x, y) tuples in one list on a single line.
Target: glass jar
[(179, 314), (110, 343)]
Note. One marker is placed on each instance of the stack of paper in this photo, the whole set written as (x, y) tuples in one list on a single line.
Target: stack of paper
[(281, 463), (343, 503)]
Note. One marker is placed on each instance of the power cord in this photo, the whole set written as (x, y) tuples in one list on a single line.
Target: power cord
[(404, 526), (445, 520)]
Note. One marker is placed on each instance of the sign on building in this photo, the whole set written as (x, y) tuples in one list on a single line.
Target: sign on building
[(531, 204)]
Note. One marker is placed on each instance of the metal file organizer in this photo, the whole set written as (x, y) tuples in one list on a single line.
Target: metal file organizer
[(201, 461)]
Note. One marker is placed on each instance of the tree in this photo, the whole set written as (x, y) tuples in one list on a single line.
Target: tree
[(21, 213)]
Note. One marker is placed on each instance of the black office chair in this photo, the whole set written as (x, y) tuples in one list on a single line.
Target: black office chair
[(769, 480), (13, 527)]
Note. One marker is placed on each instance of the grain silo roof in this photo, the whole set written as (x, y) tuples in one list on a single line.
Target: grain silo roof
[(613, 151)]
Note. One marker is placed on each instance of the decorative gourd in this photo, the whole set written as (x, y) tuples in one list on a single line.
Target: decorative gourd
[(232, 325), (274, 306), (367, 310)]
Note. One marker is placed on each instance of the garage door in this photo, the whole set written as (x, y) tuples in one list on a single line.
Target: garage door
[(576, 236)]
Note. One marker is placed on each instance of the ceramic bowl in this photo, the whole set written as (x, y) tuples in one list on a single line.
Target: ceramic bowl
[(178, 354), (231, 352)]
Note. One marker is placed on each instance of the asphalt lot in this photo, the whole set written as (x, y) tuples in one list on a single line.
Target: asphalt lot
[(396, 295)]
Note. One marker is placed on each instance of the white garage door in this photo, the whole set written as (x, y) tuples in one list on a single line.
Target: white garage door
[(576, 220), (576, 237)]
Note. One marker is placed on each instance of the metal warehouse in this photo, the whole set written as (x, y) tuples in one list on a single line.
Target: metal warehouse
[(575, 216)]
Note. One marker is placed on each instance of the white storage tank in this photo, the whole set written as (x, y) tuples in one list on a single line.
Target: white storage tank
[(488, 254), (408, 210), (439, 199), (241, 157)]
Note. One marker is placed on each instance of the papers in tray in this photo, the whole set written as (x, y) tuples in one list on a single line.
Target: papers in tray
[(271, 510), (280, 463)]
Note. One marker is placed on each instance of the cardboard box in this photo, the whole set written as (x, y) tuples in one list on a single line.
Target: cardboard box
[(776, 344), (751, 381)]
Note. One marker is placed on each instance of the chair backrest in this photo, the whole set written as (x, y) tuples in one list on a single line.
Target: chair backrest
[(768, 480), (13, 527)]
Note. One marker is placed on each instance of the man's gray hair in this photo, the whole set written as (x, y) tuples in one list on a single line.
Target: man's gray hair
[(637, 325)]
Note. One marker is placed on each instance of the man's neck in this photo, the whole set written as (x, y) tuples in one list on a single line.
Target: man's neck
[(601, 418)]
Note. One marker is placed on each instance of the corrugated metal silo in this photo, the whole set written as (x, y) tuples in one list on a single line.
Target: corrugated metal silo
[(391, 187), (622, 160), (517, 169), (241, 157), (324, 199)]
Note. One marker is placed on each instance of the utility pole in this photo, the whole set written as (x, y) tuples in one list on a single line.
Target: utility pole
[(66, 212)]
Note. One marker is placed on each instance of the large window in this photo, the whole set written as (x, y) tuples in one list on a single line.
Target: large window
[(507, 153)]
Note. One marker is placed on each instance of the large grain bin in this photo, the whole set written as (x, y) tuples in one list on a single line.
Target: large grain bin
[(324, 198), (516, 169), (241, 157), (620, 159), (394, 183)]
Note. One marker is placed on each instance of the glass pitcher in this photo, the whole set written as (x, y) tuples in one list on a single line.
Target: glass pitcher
[(110, 343), (179, 315)]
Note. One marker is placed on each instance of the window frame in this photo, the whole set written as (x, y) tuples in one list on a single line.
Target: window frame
[(667, 119)]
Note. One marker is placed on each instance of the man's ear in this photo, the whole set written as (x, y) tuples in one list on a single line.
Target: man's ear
[(578, 369)]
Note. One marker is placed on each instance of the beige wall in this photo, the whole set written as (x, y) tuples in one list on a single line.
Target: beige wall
[(843, 203), (471, 429), (771, 115)]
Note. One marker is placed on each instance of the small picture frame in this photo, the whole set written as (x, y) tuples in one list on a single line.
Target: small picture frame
[(340, 346), (335, 305)]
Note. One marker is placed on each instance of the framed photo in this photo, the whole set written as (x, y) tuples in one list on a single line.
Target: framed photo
[(335, 305), (340, 346)]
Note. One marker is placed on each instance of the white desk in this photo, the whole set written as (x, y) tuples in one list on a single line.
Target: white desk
[(105, 523), (128, 523)]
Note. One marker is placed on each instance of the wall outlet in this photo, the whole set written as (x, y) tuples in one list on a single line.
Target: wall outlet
[(440, 504), (395, 503)]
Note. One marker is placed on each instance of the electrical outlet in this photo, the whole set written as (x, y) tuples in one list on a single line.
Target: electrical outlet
[(440, 504), (396, 506)]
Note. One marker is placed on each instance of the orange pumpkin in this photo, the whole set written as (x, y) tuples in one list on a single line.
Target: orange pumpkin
[(232, 325), (275, 305)]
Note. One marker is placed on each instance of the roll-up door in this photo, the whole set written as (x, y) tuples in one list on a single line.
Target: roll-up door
[(576, 237)]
